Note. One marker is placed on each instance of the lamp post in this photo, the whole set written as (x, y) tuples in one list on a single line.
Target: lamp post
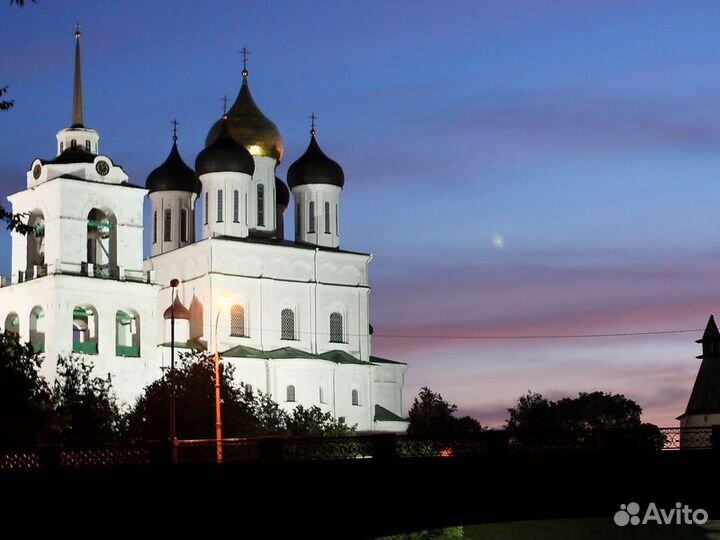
[(173, 420), (218, 417)]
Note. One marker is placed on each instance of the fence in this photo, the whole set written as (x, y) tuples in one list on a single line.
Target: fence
[(375, 446)]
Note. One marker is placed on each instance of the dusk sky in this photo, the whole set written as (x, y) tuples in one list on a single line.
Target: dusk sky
[(515, 168)]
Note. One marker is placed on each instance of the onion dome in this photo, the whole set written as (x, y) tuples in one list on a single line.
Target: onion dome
[(181, 312), (173, 175), (282, 193), (250, 127), (314, 167), (224, 154)]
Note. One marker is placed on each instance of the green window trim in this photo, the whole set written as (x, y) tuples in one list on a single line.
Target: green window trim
[(87, 347), (129, 351)]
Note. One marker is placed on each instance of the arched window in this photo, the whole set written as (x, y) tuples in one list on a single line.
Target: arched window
[(196, 318), (321, 391), (87, 146), (219, 205), (167, 235), (236, 206), (237, 321), (62, 146), (311, 217), (35, 245), (85, 325), (207, 207), (327, 218), (102, 242), (184, 225), (355, 397), (73, 143), (37, 329), (127, 334), (154, 227), (261, 205), (336, 328), (287, 324), (290, 393), (12, 323)]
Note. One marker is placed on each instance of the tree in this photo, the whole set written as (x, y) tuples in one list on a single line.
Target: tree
[(312, 422), (430, 414), (86, 410), (577, 421), (245, 413), (24, 395)]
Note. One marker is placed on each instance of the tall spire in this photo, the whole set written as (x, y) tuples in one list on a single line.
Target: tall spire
[(77, 119)]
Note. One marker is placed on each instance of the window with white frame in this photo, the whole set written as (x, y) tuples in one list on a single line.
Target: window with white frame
[(287, 324), (290, 393), (336, 328), (237, 321)]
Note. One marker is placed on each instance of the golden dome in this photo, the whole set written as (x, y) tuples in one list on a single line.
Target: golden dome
[(250, 127)]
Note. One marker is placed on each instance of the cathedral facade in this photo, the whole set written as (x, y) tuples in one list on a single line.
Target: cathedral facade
[(292, 317)]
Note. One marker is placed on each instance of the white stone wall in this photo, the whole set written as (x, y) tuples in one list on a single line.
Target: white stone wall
[(317, 229)]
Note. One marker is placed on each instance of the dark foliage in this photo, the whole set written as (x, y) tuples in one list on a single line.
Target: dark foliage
[(430, 414), (25, 399), (86, 411), (244, 413), (589, 419)]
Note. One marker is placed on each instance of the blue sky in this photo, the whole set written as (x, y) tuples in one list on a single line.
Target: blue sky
[(586, 134)]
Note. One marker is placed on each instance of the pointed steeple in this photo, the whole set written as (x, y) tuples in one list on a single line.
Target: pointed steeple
[(77, 119), (705, 396)]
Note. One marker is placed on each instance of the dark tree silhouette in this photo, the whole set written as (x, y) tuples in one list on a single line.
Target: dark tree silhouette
[(86, 410), (245, 413), (430, 414), (24, 395), (581, 420)]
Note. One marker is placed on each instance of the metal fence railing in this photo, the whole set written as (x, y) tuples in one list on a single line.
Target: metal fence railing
[(373, 446)]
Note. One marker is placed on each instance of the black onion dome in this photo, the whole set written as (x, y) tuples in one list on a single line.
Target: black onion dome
[(224, 155), (173, 175), (314, 167), (282, 193), (74, 154)]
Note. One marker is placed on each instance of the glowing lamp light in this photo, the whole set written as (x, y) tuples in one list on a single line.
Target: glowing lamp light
[(224, 302), (447, 452), (254, 149)]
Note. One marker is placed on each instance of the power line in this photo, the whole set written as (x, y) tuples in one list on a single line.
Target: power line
[(541, 336)]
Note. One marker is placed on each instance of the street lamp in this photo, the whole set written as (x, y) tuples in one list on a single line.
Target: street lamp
[(173, 421), (223, 302)]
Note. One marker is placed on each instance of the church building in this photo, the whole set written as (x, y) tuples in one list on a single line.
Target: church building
[(291, 316)]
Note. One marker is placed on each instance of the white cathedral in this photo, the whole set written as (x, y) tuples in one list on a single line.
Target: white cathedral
[(292, 317)]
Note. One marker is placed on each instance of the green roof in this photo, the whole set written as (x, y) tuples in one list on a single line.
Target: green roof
[(337, 357), (384, 415), (378, 360), (341, 357)]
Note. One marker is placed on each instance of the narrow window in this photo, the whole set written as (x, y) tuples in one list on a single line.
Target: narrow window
[(61, 147), (287, 324), (184, 225), (322, 395), (327, 218), (237, 321), (73, 143), (236, 206), (168, 225), (261, 205), (219, 205), (155, 227), (355, 397), (207, 207), (290, 393), (87, 146), (336, 328), (311, 217)]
